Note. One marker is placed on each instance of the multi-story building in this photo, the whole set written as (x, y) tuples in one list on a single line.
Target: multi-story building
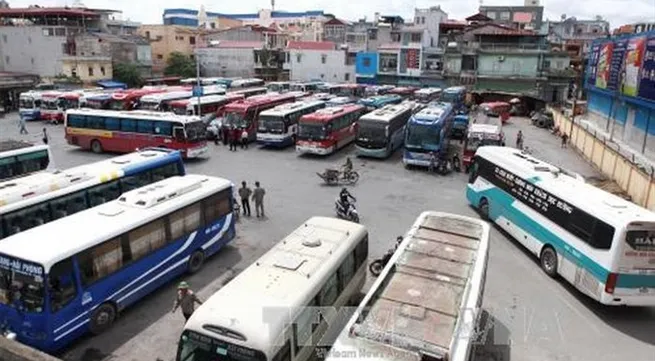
[(167, 39), (270, 37), (228, 58), (121, 27), (530, 16), (335, 30), (634, 28), (575, 36), (318, 61)]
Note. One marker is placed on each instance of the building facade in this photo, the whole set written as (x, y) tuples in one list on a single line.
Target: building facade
[(318, 61), (270, 37), (530, 16), (575, 36), (228, 59), (167, 39), (334, 30)]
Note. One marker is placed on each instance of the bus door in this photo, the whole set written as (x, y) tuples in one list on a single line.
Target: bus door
[(344, 129)]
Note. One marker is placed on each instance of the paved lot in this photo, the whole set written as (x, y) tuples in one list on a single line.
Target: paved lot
[(534, 317)]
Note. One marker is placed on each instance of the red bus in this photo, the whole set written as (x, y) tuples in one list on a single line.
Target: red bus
[(49, 105), (247, 93), (124, 132), (351, 90), (405, 92), (496, 110), (327, 130), (208, 104), (244, 114), (129, 99)]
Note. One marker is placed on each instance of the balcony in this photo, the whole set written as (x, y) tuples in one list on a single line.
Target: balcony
[(510, 48)]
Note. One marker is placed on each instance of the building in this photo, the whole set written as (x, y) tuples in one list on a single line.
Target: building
[(335, 30), (89, 69), (530, 16), (167, 39), (228, 59), (318, 61), (635, 28), (121, 27), (271, 37), (575, 36)]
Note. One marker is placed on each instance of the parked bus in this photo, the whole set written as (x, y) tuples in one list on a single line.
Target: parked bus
[(161, 101), (460, 127), (379, 101), (29, 105), (381, 132), (247, 83), (319, 266), (324, 97), (373, 90), (19, 158), (351, 90), (340, 101), (455, 95), (426, 303), (496, 110), (80, 283), (40, 198), (129, 99), (427, 95), (278, 86), (600, 243), (203, 81), (310, 86), (244, 114), (428, 131), (208, 104), (122, 132), (479, 135), (328, 130), (50, 105), (404, 92), (247, 93), (168, 81), (96, 101), (278, 126)]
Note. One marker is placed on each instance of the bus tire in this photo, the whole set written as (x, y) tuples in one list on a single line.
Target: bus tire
[(96, 147), (196, 261), (483, 208), (102, 318), (548, 261)]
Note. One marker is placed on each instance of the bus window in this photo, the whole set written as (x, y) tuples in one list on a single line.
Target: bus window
[(135, 181), (178, 133), (304, 326), (217, 206), (27, 218), (147, 239), (361, 252), (33, 162), (100, 261), (473, 175), (27, 291), (61, 285), (185, 221), (8, 167), (104, 193), (346, 271), (329, 292), (70, 204), (164, 172)]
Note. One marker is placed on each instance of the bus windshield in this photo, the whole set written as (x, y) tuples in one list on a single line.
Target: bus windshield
[(26, 103), (180, 110), (237, 119), (271, 124), (68, 103), (449, 97), (312, 131), (423, 136), (21, 284), (149, 105), (116, 104), (472, 144), (195, 131), (50, 104), (197, 347), (372, 133)]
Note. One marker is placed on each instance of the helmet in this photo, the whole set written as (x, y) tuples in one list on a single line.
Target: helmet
[(182, 286), (399, 238), (344, 190)]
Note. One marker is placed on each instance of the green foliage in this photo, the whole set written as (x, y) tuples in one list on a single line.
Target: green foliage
[(181, 65), (128, 73)]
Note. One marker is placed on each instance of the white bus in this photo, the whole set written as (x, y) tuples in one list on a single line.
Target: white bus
[(426, 303), (280, 306), (247, 83), (600, 243), (382, 131), (19, 158), (427, 95), (208, 104), (278, 126), (278, 86), (76, 275), (159, 101)]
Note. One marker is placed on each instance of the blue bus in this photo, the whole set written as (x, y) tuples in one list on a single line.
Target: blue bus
[(379, 101), (428, 131), (96, 101), (109, 257), (381, 132), (460, 126), (455, 95)]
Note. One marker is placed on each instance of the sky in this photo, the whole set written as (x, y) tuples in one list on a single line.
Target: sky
[(618, 12)]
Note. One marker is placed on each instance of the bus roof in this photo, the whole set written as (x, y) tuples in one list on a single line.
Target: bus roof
[(341, 100), (288, 108), (108, 220), (380, 98), (14, 193), (490, 129), (567, 185), (135, 114), (11, 144), (433, 113), (136, 93), (402, 90), (257, 101), (329, 113), (206, 99), (455, 89), (428, 91), (284, 277), (248, 90), (386, 113), (173, 95), (51, 94)]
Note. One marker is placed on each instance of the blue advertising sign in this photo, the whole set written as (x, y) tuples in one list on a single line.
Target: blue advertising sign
[(647, 82), (593, 62), (616, 64), (197, 91)]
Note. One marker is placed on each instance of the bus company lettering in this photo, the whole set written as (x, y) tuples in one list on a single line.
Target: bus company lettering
[(21, 267), (531, 194), (361, 353)]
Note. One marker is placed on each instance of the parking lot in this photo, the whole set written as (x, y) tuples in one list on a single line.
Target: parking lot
[(534, 317)]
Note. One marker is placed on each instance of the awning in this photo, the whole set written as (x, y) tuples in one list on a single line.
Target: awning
[(110, 84)]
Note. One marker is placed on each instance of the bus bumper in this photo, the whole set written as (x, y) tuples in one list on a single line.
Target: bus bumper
[(269, 141), (197, 151), (308, 149), (372, 153)]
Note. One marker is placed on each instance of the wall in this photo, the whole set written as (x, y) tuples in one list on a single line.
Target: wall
[(311, 66), (81, 65), (513, 65), (366, 64), (26, 49), (14, 351), (174, 38), (228, 62)]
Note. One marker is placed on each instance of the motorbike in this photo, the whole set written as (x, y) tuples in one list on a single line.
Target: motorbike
[(349, 214), (378, 265), (335, 176)]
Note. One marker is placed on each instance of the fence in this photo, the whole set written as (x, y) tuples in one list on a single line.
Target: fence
[(616, 163)]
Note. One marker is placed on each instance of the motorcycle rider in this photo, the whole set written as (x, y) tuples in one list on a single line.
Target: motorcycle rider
[(387, 256), (347, 167), (344, 199)]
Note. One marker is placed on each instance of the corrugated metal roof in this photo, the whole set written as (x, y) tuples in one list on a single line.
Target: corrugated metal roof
[(311, 45), (42, 11)]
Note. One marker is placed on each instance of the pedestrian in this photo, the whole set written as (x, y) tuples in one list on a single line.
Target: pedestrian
[(21, 124), (519, 140), (258, 197), (565, 139), (225, 134), (244, 139), (186, 300), (244, 193), (234, 138), (45, 136)]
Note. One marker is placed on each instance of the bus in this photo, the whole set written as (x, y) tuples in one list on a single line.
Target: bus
[(278, 86), (455, 95), (479, 135), (427, 302), (247, 83), (351, 90), (167, 81), (52, 293), (203, 81), (310, 86), (244, 114), (340, 101), (208, 104), (29, 105), (404, 92), (428, 131), (496, 110), (161, 101), (278, 126), (123, 132), (50, 105), (373, 90), (600, 243), (129, 99), (427, 95), (381, 132), (328, 130), (40, 198), (19, 158), (247, 93), (322, 96), (96, 101), (281, 306), (379, 101)]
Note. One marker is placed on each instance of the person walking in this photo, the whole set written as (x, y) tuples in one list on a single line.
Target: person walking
[(258, 197), (244, 193), (21, 124), (519, 140), (225, 133), (565, 140), (231, 139), (185, 300), (45, 136), (244, 139)]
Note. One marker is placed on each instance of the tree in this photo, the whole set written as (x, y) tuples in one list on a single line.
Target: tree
[(128, 73), (179, 64)]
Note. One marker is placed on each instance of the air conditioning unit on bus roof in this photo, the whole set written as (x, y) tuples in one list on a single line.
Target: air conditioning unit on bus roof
[(161, 191), (330, 110)]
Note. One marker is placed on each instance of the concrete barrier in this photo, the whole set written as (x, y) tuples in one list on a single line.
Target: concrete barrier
[(14, 351), (617, 165)]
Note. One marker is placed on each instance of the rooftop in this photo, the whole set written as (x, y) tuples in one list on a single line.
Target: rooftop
[(274, 14), (498, 29), (311, 45), (50, 11), (235, 44)]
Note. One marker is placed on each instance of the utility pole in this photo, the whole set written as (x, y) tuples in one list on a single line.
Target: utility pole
[(575, 102), (198, 85)]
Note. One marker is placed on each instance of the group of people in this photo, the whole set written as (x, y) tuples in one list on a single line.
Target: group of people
[(256, 195), (232, 136)]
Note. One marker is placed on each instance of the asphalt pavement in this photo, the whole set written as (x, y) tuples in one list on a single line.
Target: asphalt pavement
[(533, 317)]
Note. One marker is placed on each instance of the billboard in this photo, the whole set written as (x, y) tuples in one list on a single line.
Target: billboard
[(634, 58), (616, 64), (593, 60), (603, 65), (647, 79)]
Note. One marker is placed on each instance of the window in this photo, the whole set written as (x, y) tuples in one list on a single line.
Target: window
[(346, 271), (491, 14), (164, 172), (559, 64), (298, 57), (304, 325), (546, 64), (27, 218), (192, 40), (48, 32), (76, 121), (329, 292), (32, 61), (60, 31), (128, 125), (148, 35), (61, 284), (361, 252), (373, 34), (159, 56), (185, 221), (422, 19), (90, 71), (415, 37), (67, 205), (135, 181), (144, 126), (504, 15), (323, 58), (102, 70), (95, 122), (163, 128), (346, 77), (147, 239), (212, 25), (100, 261), (104, 193), (112, 123), (217, 206)]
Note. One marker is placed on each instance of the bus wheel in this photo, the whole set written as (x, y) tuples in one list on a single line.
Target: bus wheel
[(96, 147), (102, 318), (483, 208), (548, 261), (196, 261)]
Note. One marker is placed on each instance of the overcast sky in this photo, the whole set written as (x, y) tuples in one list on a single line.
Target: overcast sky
[(618, 12)]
